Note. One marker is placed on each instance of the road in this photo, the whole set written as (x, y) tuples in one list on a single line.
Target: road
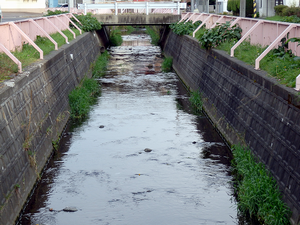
[(14, 16)]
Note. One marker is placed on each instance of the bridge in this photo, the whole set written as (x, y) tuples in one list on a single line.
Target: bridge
[(137, 19), (135, 13)]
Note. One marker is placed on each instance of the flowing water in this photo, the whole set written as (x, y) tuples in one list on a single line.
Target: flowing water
[(142, 157)]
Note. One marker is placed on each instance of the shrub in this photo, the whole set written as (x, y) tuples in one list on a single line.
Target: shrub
[(279, 8), (220, 33), (184, 28), (234, 6), (88, 22), (154, 34), (56, 12), (290, 11), (115, 37), (290, 19)]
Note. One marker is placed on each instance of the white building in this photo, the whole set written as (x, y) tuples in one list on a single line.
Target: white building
[(23, 5)]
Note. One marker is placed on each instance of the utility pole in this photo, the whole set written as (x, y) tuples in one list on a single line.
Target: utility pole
[(242, 8)]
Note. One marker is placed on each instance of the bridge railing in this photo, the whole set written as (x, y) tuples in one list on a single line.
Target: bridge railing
[(15, 34), (257, 31), (135, 7)]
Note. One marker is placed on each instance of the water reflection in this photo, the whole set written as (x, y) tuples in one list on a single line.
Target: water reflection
[(103, 170)]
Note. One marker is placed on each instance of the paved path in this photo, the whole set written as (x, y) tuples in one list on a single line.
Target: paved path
[(13, 16)]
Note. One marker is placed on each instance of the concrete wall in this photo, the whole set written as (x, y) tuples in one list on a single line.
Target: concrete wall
[(247, 107), (33, 112)]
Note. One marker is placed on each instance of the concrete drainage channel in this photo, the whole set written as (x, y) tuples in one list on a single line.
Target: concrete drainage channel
[(141, 157)]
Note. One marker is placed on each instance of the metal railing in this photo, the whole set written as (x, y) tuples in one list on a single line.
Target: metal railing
[(15, 34), (135, 7), (256, 31)]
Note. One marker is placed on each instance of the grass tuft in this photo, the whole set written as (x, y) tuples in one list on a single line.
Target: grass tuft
[(196, 101), (154, 34), (166, 65), (82, 97), (115, 37), (258, 193), (85, 95), (100, 65)]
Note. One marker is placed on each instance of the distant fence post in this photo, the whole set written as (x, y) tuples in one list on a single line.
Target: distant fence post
[(297, 83), (147, 8), (116, 8)]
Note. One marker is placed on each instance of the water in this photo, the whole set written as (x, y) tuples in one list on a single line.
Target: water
[(103, 170)]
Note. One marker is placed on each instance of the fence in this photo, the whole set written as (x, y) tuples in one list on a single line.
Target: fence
[(135, 7), (15, 34), (257, 31)]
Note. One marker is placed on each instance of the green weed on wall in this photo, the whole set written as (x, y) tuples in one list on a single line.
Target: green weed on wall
[(257, 192), (85, 95)]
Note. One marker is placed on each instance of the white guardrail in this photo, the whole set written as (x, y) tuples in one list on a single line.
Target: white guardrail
[(147, 6)]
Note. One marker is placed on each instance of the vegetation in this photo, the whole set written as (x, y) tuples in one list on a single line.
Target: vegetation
[(234, 7), (279, 63), (185, 28), (166, 66), (29, 54), (129, 29), (99, 67), (82, 97), (56, 12), (257, 192), (85, 95), (196, 101), (154, 34), (219, 34), (88, 23), (289, 19), (115, 37), (279, 8)]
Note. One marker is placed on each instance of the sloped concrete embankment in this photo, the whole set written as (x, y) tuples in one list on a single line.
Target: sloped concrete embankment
[(247, 107), (33, 113)]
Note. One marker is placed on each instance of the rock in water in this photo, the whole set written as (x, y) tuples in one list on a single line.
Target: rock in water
[(148, 150), (70, 209)]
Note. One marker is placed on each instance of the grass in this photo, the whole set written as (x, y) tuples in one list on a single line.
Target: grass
[(29, 54), (196, 101), (257, 192), (166, 65), (154, 34), (99, 67), (82, 97), (85, 95), (115, 37), (282, 67)]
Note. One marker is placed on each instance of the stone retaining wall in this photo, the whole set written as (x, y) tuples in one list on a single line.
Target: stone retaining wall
[(247, 107), (33, 112)]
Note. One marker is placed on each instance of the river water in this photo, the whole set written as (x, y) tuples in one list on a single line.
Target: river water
[(103, 170)]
